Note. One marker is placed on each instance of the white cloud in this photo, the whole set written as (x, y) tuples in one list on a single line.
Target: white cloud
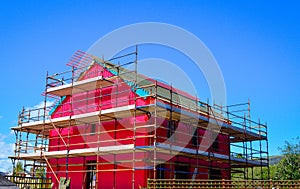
[(7, 149), (40, 105), (11, 132), (5, 165), (37, 110)]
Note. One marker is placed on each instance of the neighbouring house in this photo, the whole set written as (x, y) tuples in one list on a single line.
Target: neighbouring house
[(6, 184)]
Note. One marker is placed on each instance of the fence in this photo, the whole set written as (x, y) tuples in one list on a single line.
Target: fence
[(30, 182), (221, 184)]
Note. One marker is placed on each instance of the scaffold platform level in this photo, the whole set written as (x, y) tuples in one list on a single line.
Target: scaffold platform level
[(125, 149), (81, 86), (201, 119), (66, 121), (77, 152)]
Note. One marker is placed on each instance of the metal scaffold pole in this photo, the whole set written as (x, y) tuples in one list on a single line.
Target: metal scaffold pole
[(134, 116), (155, 132), (43, 148), (267, 148), (99, 138)]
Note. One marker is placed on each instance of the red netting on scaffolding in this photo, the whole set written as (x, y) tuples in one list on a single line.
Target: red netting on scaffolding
[(80, 61)]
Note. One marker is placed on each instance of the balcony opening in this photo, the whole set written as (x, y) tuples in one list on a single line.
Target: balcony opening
[(160, 171), (215, 174), (181, 171), (215, 145), (194, 140), (172, 125), (91, 176), (93, 129)]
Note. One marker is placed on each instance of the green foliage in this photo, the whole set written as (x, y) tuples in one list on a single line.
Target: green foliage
[(273, 169), (18, 169), (262, 173), (258, 173), (40, 172), (289, 167), (239, 156)]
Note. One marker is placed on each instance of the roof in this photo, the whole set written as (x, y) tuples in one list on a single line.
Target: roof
[(141, 85), (145, 85), (6, 184)]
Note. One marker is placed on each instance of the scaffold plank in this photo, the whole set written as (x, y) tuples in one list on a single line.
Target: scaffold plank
[(78, 152), (80, 86), (91, 117)]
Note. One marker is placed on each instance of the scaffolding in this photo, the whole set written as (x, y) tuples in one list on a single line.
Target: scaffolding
[(95, 97)]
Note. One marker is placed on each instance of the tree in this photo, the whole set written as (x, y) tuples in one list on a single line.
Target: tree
[(19, 168), (262, 173), (40, 172), (289, 167)]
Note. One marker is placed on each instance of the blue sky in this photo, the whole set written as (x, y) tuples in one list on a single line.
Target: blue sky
[(256, 44)]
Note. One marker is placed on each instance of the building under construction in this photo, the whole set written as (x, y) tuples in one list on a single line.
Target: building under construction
[(111, 127)]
